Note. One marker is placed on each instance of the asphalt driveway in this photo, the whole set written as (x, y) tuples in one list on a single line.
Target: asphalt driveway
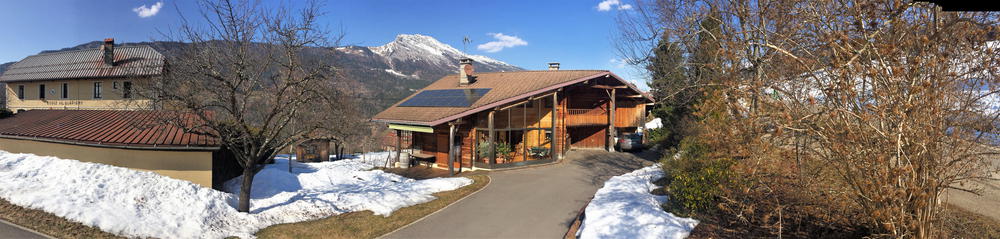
[(9, 230), (539, 202)]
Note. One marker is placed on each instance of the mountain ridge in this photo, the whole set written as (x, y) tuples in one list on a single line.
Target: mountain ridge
[(378, 76)]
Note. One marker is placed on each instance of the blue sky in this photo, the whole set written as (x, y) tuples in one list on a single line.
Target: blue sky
[(576, 33)]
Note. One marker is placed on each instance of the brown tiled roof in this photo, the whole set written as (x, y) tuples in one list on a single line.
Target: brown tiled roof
[(88, 63), (505, 86), (104, 127)]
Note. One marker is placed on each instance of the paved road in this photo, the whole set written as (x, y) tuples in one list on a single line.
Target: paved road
[(8, 230), (538, 202)]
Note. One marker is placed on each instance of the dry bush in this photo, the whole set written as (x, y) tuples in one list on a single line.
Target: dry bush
[(841, 112)]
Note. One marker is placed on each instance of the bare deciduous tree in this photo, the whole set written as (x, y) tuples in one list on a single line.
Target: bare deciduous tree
[(249, 75)]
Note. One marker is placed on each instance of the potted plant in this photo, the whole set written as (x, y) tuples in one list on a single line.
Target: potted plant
[(503, 151)]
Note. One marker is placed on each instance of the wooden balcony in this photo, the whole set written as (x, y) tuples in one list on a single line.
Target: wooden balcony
[(586, 117)]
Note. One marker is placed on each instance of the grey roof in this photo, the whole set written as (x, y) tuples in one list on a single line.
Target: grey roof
[(88, 63)]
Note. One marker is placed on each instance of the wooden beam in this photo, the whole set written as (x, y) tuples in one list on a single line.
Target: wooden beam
[(636, 96), (552, 141), (608, 87), (493, 134), (399, 145), (451, 150), (611, 122)]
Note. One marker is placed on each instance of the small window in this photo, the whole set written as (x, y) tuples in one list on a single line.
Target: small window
[(127, 90), (65, 90), (97, 90), (20, 92), (41, 91), (114, 85)]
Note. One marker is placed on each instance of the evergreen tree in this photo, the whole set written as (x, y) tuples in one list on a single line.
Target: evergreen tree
[(705, 55), (678, 88), (666, 67)]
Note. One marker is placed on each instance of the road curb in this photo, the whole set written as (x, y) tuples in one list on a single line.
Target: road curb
[(575, 227)]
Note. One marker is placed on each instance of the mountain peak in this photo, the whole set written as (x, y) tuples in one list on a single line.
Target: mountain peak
[(405, 37), (416, 47)]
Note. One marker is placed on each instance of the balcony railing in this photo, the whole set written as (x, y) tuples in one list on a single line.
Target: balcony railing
[(581, 117)]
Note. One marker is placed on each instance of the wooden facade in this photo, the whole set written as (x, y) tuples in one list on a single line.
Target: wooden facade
[(581, 119)]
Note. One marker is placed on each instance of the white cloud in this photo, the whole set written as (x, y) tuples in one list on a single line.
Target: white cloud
[(502, 41), (150, 11), (617, 63), (607, 5)]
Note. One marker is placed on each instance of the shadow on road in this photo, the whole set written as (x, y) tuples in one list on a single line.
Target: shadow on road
[(601, 165)]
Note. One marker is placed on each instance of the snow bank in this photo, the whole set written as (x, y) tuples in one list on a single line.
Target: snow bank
[(144, 204), (625, 208)]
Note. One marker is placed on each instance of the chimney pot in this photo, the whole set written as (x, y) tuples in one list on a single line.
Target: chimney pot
[(109, 51), (553, 66), (465, 71)]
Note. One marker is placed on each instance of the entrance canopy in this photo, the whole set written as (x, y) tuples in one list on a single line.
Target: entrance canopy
[(413, 128)]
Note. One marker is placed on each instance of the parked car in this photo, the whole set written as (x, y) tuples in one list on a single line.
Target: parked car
[(630, 142)]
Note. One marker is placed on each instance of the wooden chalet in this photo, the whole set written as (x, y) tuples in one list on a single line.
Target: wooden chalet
[(504, 119)]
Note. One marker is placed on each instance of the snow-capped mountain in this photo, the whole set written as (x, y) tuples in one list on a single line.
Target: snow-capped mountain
[(415, 56), (418, 47)]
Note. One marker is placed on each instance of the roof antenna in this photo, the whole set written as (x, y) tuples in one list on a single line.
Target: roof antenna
[(465, 44)]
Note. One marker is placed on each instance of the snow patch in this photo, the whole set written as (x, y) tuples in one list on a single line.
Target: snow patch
[(625, 208), (145, 204), (394, 72)]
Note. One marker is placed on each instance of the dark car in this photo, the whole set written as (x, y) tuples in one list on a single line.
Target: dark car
[(630, 142)]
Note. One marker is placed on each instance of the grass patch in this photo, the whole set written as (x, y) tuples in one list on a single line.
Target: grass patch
[(47, 223), (366, 224)]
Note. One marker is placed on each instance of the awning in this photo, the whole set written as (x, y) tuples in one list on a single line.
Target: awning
[(413, 128)]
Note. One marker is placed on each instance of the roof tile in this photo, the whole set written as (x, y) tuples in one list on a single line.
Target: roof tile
[(106, 127), (88, 63)]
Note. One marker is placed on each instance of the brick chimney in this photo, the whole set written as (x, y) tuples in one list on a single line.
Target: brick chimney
[(553, 66), (465, 71), (109, 51)]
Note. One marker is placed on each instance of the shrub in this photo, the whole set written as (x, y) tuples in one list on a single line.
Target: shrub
[(694, 180), (658, 136)]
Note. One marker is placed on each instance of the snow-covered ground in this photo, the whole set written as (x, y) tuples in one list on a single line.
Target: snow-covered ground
[(625, 208), (145, 204)]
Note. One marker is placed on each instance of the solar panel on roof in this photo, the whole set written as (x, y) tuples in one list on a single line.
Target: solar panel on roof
[(446, 98)]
